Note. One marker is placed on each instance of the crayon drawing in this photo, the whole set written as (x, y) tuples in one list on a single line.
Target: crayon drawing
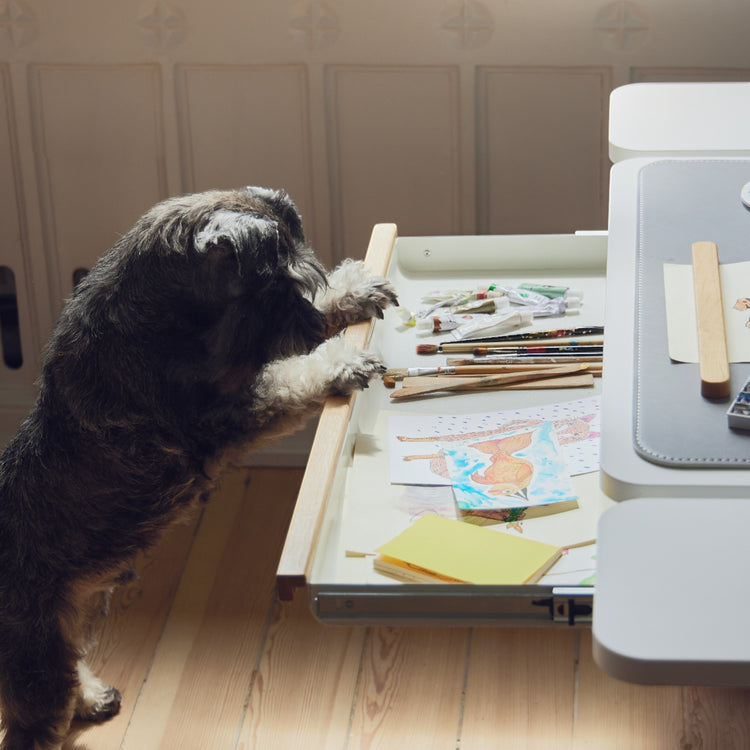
[(520, 469)]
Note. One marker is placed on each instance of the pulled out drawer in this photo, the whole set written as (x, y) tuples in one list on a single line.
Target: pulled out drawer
[(347, 504)]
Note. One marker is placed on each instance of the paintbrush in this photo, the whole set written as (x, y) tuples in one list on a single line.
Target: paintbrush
[(528, 336), (488, 381), (490, 367), (460, 367), (465, 382), (534, 349), (525, 359)]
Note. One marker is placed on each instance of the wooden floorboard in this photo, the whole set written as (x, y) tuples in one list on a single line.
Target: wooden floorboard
[(410, 691), (520, 691), (208, 659), (318, 691)]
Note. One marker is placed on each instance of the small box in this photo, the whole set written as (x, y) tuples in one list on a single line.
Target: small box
[(738, 414)]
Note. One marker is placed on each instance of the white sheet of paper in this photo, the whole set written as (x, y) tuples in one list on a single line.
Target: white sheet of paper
[(682, 330)]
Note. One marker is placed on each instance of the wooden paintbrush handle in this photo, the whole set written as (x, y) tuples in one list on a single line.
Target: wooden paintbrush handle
[(486, 382), (712, 338)]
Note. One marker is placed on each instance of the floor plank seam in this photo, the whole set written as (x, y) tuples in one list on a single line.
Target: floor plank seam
[(576, 679), (462, 705), (274, 604), (357, 684)]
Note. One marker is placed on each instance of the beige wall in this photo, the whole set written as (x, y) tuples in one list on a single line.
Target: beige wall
[(445, 116)]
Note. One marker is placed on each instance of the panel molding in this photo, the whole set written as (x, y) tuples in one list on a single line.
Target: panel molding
[(492, 181), (387, 197), (285, 163), (16, 244), (44, 126)]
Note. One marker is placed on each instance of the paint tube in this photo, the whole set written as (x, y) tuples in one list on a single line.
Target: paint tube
[(459, 296), (437, 323), (406, 317), (492, 325), (523, 296), (486, 306), (552, 291), (551, 308)]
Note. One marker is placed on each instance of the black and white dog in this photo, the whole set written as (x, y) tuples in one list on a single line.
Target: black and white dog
[(206, 330)]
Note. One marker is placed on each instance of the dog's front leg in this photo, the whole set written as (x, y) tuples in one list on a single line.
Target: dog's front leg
[(289, 391), (353, 294)]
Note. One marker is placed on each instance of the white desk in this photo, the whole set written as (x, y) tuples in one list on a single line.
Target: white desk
[(673, 567)]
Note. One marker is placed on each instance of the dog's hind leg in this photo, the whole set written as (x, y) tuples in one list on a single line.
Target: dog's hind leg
[(353, 294), (96, 700), (38, 688)]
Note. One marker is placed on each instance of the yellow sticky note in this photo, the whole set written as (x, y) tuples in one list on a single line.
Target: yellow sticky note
[(453, 550)]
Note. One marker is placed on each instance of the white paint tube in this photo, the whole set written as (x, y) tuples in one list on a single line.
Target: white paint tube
[(554, 307), (437, 323), (492, 325)]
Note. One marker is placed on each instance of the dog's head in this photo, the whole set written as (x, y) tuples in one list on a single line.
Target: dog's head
[(205, 288)]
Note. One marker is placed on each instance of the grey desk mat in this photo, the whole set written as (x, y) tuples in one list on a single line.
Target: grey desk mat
[(681, 202)]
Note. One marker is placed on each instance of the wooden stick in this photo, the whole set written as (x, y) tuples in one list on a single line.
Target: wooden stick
[(541, 382), (709, 313), (489, 381)]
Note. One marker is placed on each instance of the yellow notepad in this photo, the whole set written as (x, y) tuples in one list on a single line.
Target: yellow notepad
[(441, 549)]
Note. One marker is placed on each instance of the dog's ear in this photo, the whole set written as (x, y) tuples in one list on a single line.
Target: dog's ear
[(254, 240), (283, 207)]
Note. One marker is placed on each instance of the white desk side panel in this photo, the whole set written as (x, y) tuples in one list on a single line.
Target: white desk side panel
[(671, 602)]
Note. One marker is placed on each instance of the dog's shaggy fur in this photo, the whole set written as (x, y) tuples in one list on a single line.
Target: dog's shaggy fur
[(207, 329)]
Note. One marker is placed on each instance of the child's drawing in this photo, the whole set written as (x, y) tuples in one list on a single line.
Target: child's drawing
[(742, 304), (520, 469), (576, 567), (416, 443)]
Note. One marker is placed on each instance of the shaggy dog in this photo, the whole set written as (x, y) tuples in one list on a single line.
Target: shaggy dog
[(206, 330)]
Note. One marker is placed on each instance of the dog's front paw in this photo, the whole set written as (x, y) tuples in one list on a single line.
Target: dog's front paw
[(352, 370), (354, 295)]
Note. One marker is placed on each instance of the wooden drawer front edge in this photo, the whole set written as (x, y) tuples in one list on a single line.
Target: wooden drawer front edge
[(297, 555)]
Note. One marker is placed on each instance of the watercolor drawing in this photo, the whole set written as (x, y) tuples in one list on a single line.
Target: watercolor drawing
[(416, 443), (518, 470)]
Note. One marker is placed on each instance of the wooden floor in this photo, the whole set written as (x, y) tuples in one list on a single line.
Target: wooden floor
[(207, 659)]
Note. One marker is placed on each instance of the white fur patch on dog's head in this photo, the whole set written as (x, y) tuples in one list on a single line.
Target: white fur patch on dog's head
[(234, 227)]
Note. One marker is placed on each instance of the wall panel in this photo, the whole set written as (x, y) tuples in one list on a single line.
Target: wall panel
[(541, 149), (394, 151), (247, 125), (99, 145)]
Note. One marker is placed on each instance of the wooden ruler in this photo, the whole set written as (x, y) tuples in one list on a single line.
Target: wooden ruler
[(712, 337)]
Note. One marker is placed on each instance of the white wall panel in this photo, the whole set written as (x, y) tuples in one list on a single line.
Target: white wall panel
[(394, 150), (99, 144), (247, 125), (541, 149)]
